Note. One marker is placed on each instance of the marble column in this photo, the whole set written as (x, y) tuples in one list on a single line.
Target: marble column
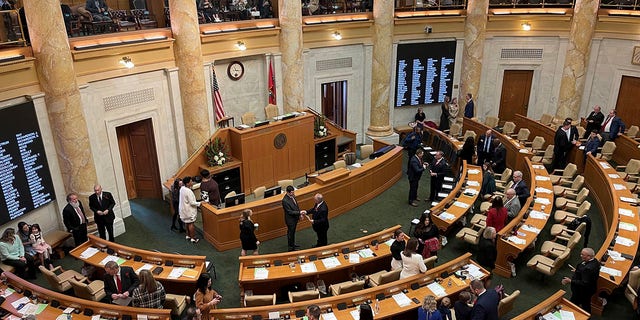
[(57, 78), (188, 55), (379, 125), (583, 26), (290, 13), (474, 33)]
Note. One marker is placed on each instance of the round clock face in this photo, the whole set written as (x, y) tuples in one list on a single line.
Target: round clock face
[(235, 70)]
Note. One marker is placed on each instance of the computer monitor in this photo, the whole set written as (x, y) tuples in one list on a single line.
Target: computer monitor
[(272, 191), (260, 123), (234, 200)]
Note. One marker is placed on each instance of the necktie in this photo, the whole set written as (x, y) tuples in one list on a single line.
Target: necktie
[(80, 215), (604, 125), (486, 145), (119, 283)]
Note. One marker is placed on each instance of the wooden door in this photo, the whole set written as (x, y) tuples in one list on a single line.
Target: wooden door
[(334, 102), (516, 87), (628, 97), (139, 160)]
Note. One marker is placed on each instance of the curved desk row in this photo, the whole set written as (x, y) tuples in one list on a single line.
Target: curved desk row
[(555, 304), (621, 222), (84, 307), (266, 274), (178, 273), (342, 189), (416, 287), (523, 230), (449, 146), (452, 208)]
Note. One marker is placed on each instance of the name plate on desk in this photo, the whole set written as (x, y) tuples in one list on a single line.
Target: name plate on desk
[(331, 176)]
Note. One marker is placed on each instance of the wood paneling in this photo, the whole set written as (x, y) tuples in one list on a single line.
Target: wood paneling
[(516, 87), (628, 97)]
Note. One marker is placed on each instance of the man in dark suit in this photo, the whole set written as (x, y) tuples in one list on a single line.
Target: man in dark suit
[(413, 140), (119, 282), (292, 215), (499, 160), (74, 218), (438, 170), (612, 127), (566, 137), (486, 306), (469, 108), (594, 121), (414, 172), (320, 221), (485, 147), (102, 203), (522, 191), (99, 10), (584, 280)]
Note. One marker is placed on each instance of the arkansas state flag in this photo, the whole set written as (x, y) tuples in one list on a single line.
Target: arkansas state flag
[(272, 84)]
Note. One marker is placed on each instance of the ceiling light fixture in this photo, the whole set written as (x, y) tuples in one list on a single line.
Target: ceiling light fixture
[(126, 61)]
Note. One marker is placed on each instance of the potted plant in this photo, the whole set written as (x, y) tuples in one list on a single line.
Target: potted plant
[(319, 128), (217, 152)]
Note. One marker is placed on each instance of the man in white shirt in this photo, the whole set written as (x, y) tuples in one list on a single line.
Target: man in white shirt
[(188, 208)]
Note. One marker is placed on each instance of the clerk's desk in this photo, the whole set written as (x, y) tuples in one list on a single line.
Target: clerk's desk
[(106, 310), (388, 307), (185, 284), (556, 301), (617, 215), (343, 189)]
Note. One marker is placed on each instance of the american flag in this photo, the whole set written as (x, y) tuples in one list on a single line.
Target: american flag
[(217, 99)]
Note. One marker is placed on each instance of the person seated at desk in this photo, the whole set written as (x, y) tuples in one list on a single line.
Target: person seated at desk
[(412, 261), (522, 191), (427, 233), (119, 283), (150, 293), (593, 142), (12, 254), (99, 10), (396, 249)]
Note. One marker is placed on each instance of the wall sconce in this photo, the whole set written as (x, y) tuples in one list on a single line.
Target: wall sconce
[(241, 46), (336, 35), (526, 26), (126, 61)]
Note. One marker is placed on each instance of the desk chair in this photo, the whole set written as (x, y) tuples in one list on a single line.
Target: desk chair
[(572, 199), (607, 151), (455, 130), (346, 287), (548, 266), (571, 213), (258, 192), (523, 135), (260, 300), (546, 119), (271, 111), (339, 164), (365, 151), (384, 277), (177, 303), (632, 132), (562, 232), (506, 304), (469, 133), (93, 291), (630, 291), (631, 170), (491, 121), (508, 128), (536, 145), (284, 183), (553, 249), (576, 186), (230, 194), (504, 177), (471, 234), (564, 176), (304, 295), (60, 282), (546, 158), (581, 131), (430, 262), (248, 118)]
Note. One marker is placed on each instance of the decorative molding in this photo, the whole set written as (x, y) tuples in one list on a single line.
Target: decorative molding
[(128, 99), (635, 59)]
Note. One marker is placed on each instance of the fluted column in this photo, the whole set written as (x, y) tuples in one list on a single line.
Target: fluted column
[(583, 26), (379, 124), (290, 15), (56, 75), (474, 34), (188, 55)]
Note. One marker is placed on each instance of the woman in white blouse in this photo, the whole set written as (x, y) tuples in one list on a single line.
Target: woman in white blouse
[(412, 262)]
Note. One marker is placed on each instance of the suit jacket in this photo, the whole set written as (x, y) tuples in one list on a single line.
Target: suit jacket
[(107, 203), (481, 144), (90, 5), (468, 109), (486, 307), (561, 143), (415, 169), (440, 169), (128, 278), (597, 121), (592, 145), (513, 207), (522, 192), (412, 141), (500, 159), (291, 210), (585, 278), (617, 126), (320, 216), (70, 217)]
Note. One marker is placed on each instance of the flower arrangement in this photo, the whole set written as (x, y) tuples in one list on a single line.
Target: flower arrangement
[(216, 152), (319, 128)]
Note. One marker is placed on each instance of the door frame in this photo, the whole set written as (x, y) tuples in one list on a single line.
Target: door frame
[(613, 94), (536, 68), (116, 159)]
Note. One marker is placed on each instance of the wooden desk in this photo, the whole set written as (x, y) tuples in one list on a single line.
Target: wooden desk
[(602, 179), (546, 306), (181, 285), (280, 276), (515, 158), (626, 149), (457, 203), (541, 202), (388, 307), (449, 146), (51, 313), (343, 193)]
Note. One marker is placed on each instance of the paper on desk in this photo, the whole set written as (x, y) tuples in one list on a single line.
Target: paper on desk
[(176, 273), (615, 255), (611, 271), (567, 315), (446, 216), (310, 267), (142, 317), (627, 199), (330, 262), (473, 183), (474, 271), (448, 179), (146, 266), (614, 175), (88, 253), (434, 203), (355, 314), (581, 147), (544, 201), (550, 316), (41, 307), (437, 289), (16, 303), (624, 241), (538, 166), (447, 186), (7, 292), (516, 240), (356, 165), (401, 299), (108, 258), (365, 253), (461, 204), (618, 186), (442, 195), (274, 315), (542, 190), (354, 258), (605, 165), (538, 215), (29, 308), (542, 178), (473, 171), (627, 226), (529, 228), (389, 242), (626, 212), (260, 273), (96, 317), (470, 192), (328, 316), (523, 151)]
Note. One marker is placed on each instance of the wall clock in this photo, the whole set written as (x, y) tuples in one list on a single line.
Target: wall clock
[(235, 70)]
